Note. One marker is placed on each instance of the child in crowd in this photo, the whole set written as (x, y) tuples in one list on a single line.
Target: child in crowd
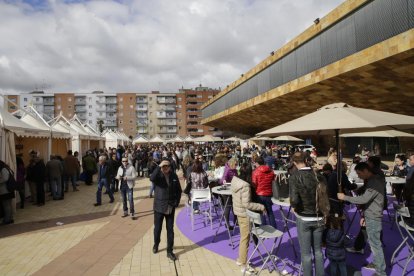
[(335, 248)]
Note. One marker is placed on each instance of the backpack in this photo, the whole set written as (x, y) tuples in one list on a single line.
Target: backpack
[(11, 183), (322, 198)]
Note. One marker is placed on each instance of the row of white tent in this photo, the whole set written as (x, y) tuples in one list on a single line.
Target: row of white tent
[(57, 136), (207, 138)]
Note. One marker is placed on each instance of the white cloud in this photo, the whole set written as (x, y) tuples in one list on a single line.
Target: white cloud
[(143, 45)]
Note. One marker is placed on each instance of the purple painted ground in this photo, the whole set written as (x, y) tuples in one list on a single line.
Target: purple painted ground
[(203, 235)]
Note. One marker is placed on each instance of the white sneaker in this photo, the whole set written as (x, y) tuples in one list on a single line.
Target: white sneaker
[(239, 263), (248, 270)]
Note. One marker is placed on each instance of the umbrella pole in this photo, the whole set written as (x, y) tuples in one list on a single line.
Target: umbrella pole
[(339, 161)]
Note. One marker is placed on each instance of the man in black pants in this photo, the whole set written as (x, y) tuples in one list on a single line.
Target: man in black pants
[(166, 198)]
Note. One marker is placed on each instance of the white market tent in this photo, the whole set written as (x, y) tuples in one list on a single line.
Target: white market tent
[(207, 138), (140, 140), (11, 126), (57, 143), (176, 139), (156, 139), (111, 139), (189, 138)]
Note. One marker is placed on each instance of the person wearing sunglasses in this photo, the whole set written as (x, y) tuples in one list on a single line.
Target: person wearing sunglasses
[(167, 195)]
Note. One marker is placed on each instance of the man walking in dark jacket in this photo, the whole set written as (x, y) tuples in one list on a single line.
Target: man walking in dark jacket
[(166, 198), (104, 174)]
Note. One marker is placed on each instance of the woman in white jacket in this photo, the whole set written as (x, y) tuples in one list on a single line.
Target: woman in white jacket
[(126, 176)]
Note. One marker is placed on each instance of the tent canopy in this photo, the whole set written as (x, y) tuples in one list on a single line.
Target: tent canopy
[(156, 139), (140, 140), (19, 127), (207, 138)]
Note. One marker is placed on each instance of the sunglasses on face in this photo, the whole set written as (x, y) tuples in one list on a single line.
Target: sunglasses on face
[(124, 161)]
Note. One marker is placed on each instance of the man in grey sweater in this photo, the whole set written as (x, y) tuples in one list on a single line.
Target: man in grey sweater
[(373, 198)]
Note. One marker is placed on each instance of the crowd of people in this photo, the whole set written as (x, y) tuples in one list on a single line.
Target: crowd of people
[(317, 193)]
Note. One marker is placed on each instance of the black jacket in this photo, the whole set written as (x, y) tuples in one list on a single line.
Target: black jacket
[(165, 194), (335, 249), (303, 192), (107, 172)]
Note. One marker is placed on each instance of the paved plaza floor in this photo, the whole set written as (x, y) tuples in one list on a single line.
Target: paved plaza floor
[(97, 241)]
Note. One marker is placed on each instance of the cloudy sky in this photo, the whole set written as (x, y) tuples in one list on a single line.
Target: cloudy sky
[(142, 45)]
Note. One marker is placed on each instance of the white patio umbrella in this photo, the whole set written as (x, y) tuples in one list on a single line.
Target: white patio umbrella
[(233, 139), (287, 138), (262, 138), (340, 117), (383, 133)]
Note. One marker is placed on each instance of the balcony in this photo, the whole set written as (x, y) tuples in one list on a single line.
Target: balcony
[(48, 101), (81, 116), (163, 114), (142, 130), (80, 100), (162, 100), (142, 100), (142, 123), (191, 96), (101, 100), (110, 100), (49, 109), (110, 123), (110, 109), (141, 108), (101, 108), (168, 122), (80, 108), (168, 108), (167, 130), (142, 115)]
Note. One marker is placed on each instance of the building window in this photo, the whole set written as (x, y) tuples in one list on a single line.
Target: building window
[(90, 99), (25, 99), (90, 122), (58, 107), (130, 121), (121, 106), (121, 99), (90, 106), (131, 106), (69, 99), (90, 114), (130, 98), (120, 122), (69, 107), (58, 99), (37, 99)]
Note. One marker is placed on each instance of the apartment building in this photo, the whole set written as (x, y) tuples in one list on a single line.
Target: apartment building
[(189, 113), (147, 114)]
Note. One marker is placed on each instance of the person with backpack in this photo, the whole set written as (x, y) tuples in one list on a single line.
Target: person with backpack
[(6, 195), (309, 201)]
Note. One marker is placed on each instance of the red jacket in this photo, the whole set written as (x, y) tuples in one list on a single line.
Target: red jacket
[(262, 179)]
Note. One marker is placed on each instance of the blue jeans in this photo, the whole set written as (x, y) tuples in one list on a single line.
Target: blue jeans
[(71, 178), (310, 236), (196, 205), (267, 202), (152, 188), (56, 186), (101, 184), (374, 228), (127, 195), (335, 266)]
